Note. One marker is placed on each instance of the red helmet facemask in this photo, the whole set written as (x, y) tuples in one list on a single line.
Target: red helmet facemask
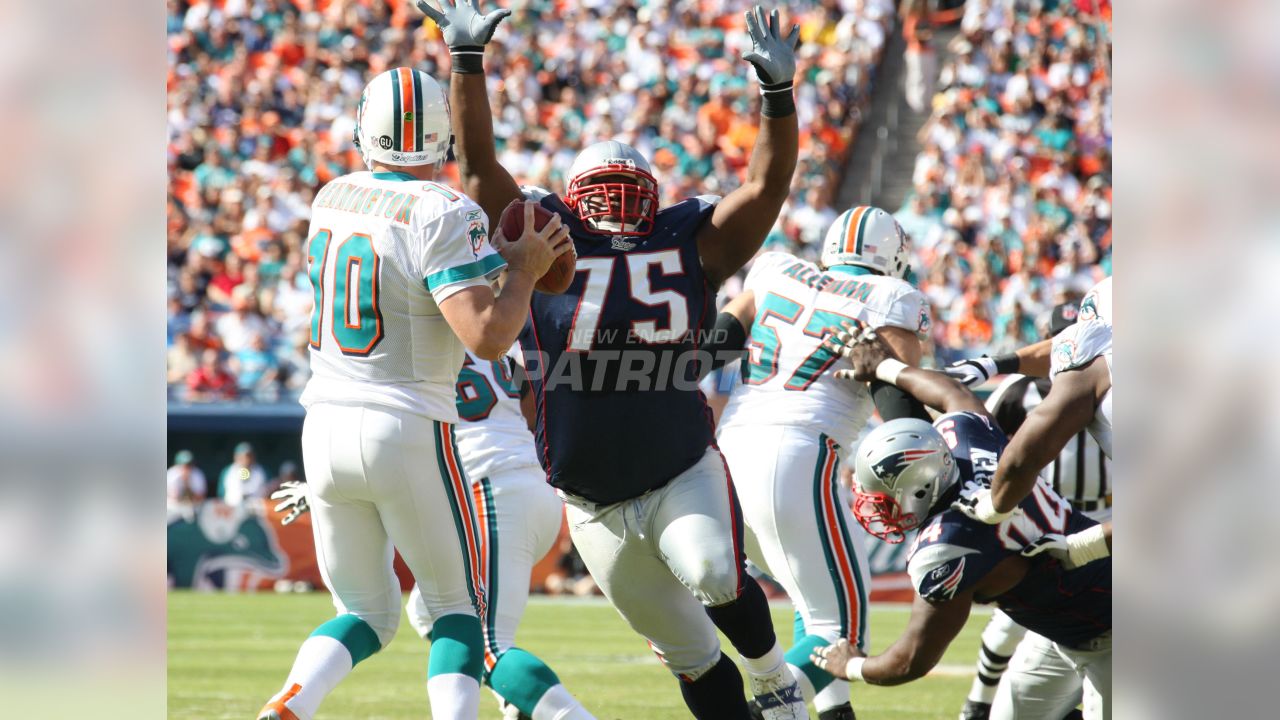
[(614, 208), (880, 515)]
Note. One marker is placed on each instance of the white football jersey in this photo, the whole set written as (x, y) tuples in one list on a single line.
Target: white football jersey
[(1096, 304), (789, 378), (1075, 347), (384, 250), (493, 434)]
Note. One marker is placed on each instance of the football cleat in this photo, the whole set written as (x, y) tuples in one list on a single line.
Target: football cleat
[(275, 708), (839, 712), (778, 696), (974, 710)]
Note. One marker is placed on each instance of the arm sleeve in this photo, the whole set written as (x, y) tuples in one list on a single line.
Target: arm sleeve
[(894, 403), (728, 342), (456, 253), (939, 571)]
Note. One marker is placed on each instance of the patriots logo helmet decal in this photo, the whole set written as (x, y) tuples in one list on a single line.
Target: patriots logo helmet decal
[(889, 467)]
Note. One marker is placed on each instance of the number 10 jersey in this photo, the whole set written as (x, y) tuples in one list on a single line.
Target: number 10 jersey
[(384, 249)]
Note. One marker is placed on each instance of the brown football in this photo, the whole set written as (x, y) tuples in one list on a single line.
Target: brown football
[(559, 276)]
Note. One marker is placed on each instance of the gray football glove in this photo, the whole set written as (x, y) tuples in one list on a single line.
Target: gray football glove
[(465, 30), (773, 56), (292, 494), (1055, 545), (979, 507)]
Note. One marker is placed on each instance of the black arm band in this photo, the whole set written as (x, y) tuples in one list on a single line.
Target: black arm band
[(468, 59), (1007, 364), (727, 342), (894, 403), (777, 100)]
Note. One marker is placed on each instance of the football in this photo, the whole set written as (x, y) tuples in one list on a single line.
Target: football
[(560, 274)]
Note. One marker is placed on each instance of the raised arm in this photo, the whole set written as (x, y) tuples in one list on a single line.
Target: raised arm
[(466, 32), (742, 219)]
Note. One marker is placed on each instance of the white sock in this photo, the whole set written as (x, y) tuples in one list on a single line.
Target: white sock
[(454, 695), (766, 664), (558, 704), (321, 664), (806, 687), (833, 695)]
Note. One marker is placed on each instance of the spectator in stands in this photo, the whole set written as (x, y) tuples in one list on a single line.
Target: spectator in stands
[(244, 479), (288, 473), (211, 381), (186, 485), (255, 368)]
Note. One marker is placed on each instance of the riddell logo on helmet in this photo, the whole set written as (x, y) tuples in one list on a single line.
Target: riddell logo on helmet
[(621, 161)]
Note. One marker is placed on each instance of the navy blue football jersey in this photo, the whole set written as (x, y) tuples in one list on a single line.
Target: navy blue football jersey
[(613, 361), (953, 552)]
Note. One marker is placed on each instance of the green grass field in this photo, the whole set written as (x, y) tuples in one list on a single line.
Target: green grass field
[(229, 653)]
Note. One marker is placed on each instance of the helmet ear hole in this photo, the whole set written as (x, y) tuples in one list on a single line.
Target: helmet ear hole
[(920, 493)]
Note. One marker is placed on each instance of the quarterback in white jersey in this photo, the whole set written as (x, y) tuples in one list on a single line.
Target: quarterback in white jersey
[(790, 423), (402, 269)]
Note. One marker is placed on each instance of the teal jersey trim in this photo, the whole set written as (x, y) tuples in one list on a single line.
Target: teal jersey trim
[(458, 273), (355, 635), (850, 270), (398, 176)]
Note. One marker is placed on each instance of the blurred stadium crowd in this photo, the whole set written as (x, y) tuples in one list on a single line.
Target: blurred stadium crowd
[(1011, 208)]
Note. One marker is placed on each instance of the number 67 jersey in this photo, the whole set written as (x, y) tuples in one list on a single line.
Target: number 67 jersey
[(384, 250), (953, 551)]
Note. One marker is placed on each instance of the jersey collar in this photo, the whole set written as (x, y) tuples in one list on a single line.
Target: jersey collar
[(393, 176), (849, 270)]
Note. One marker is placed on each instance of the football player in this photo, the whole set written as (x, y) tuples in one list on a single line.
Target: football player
[(908, 473), (1081, 474), (518, 517), (401, 270), (623, 432), (786, 429)]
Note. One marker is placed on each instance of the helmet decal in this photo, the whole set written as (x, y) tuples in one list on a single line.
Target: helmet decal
[(889, 467)]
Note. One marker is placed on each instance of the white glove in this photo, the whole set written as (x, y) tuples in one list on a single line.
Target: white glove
[(462, 24), (292, 494), (1074, 550), (773, 55), (979, 507), (973, 371)]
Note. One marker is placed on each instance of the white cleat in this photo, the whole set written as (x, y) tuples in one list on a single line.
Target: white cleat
[(778, 695)]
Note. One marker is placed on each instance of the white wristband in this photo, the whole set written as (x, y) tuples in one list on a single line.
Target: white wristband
[(889, 369), (1087, 546), (853, 668)]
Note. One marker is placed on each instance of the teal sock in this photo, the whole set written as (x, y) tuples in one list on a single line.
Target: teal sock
[(355, 634), (798, 655), (522, 679), (456, 647), (797, 628)]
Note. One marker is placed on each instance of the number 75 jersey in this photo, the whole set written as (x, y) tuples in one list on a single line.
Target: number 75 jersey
[(384, 250), (788, 377)]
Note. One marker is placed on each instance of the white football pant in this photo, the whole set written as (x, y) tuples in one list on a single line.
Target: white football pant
[(1044, 680)]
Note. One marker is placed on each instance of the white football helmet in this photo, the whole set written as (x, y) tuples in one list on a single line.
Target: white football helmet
[(403, 119), (902, 468), (613, 208), (867, 237)]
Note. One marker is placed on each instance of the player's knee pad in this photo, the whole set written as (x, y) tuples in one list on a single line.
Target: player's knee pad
[(714, 581), (457, 646)]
